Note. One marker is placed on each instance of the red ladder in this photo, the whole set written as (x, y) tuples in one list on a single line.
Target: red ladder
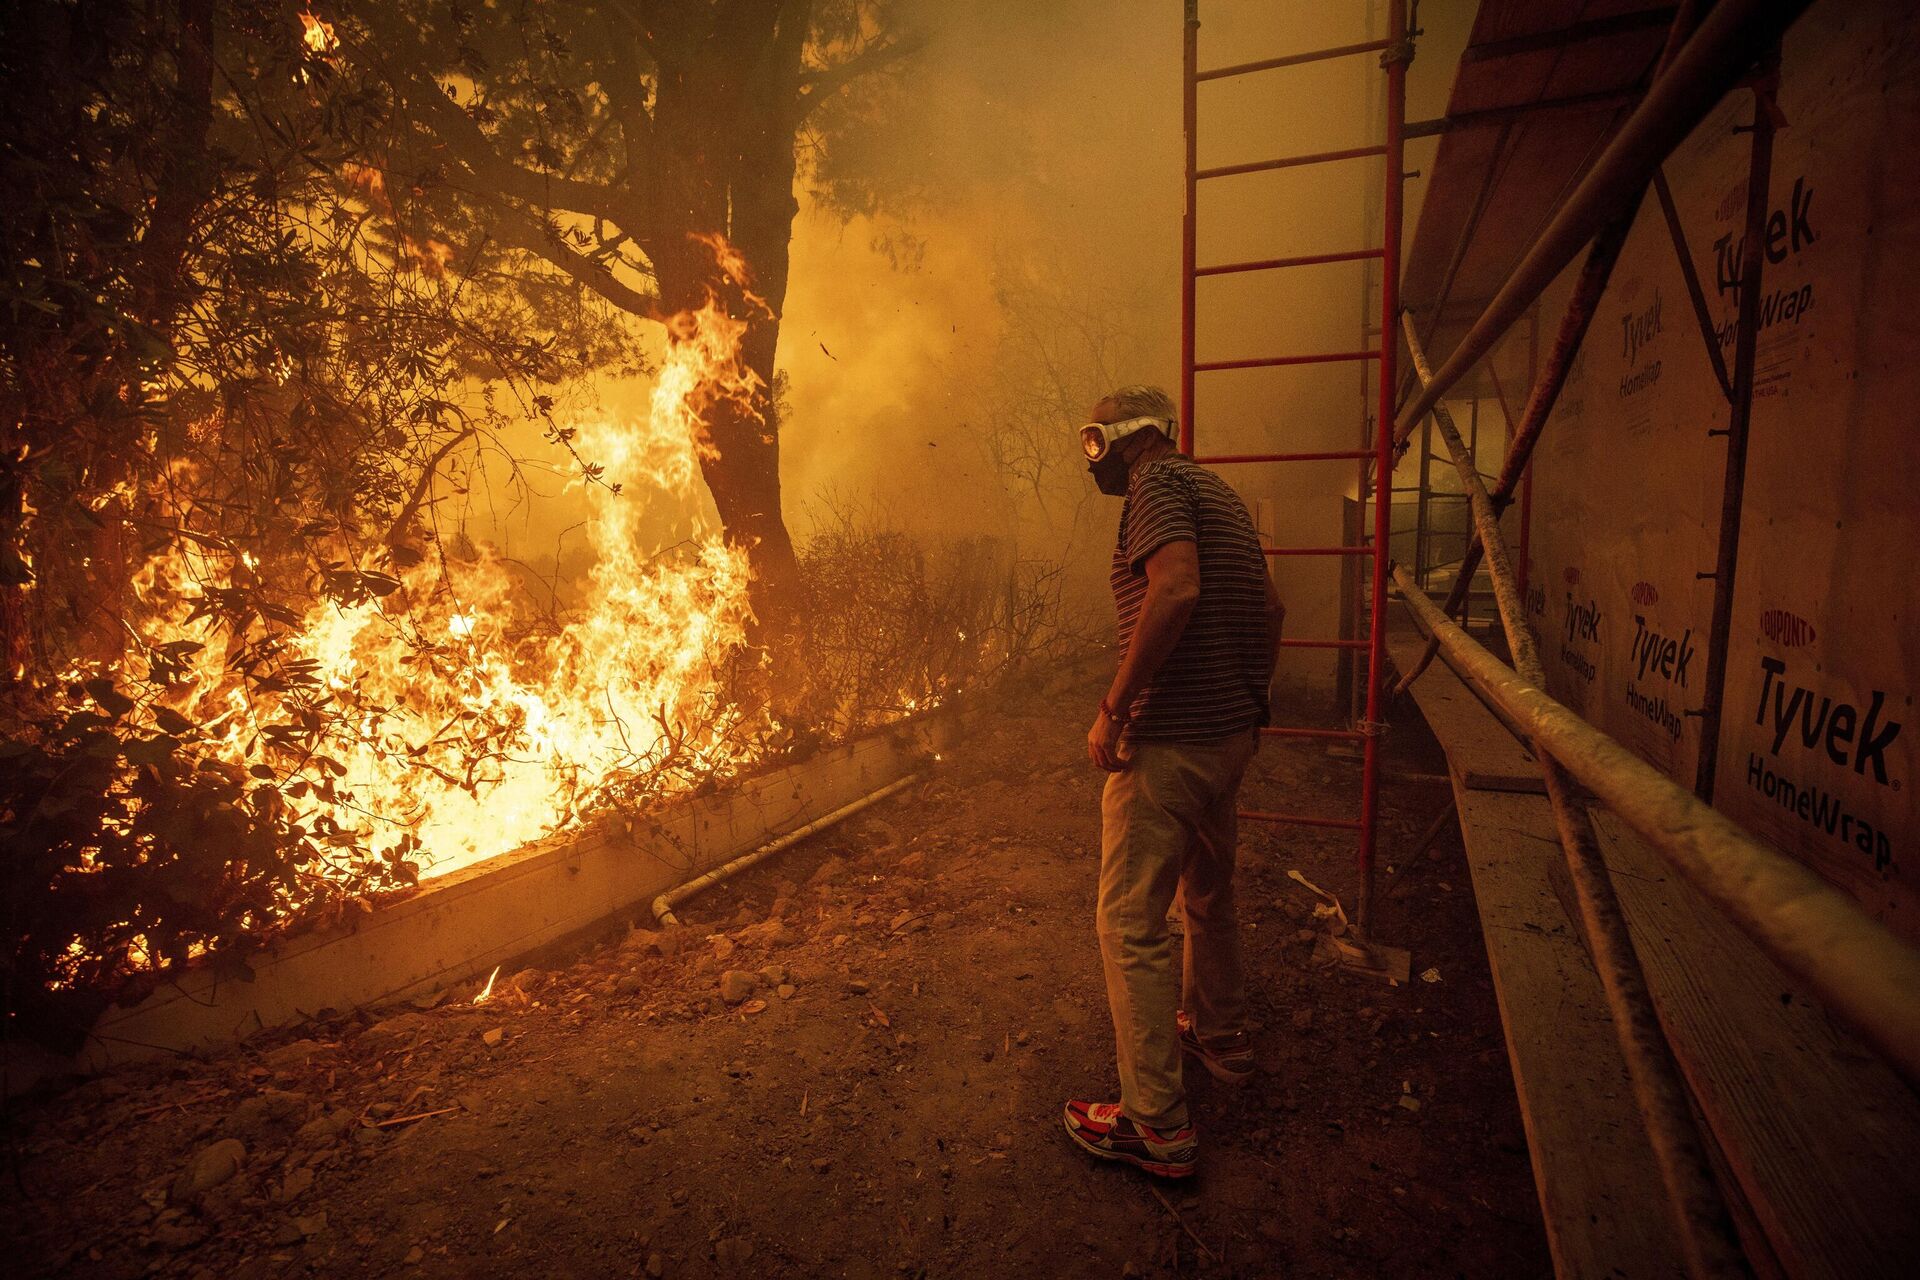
[(1395, 52)]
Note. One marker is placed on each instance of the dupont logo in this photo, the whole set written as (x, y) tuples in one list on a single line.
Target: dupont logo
[(1643, 594), (1571, 575), (1788, 630)]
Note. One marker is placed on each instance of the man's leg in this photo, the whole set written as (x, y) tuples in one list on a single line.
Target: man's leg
[(1143, 844), (1215, 993)]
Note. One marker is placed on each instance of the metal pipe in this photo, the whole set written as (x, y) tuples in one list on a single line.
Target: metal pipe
[(1290, 60), (1700, 1214), (1398, 54), (1550, 378), (1582, 305), (1858, 969), (1335, 455), (1733, 34), (1189, 113), (1268, 362), (1739, 419), (1298, 260), (664, 904), (1290, 162), (1698, 296)]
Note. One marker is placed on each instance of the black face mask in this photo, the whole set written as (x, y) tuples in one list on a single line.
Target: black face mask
[(1110, 473)]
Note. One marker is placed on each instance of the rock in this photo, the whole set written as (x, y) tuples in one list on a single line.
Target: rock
[(295, 1184), (768, 933), (822, 1163), (393, 1030), (827, 872), (312, 1224), (656, 1265), (270, 1111), (321, 1130), (641, 942), (414, 1256), (492, 1037), (210, 1167), (671, 942), (909, 921), (736, 985), (629, 984), (288, 1057), (723, 946), (367, 1136), (913, 863), (179, 1235), (528, 981), (774, 975), (287, 1234), (857, 987), (733, 1252), (1303, 1017)]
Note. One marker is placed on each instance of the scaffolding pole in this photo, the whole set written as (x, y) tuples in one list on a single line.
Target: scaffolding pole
[(1855, 966), (1698, 1210), (1739, 419), (1731, 38)]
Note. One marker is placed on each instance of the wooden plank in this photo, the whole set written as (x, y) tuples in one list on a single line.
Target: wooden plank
[(1823, 1137), (1592, 1164)]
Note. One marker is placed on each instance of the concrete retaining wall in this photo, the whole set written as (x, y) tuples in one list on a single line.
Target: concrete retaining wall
[(459, 928)]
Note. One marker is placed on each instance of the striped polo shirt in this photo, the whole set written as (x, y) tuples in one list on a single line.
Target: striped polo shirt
[(1214, 683)]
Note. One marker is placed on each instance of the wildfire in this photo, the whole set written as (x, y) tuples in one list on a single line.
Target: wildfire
[(453, 727), (318, 35)]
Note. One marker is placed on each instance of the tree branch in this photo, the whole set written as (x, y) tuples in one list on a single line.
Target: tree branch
[(817, 86), (516, 231), (470, 145)]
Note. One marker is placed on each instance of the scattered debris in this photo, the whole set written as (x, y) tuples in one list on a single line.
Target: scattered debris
[(210, 1166)]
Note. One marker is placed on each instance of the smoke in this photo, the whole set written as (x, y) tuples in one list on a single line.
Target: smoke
[(1028, 182)]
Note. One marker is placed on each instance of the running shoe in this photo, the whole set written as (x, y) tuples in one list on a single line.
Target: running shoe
[(1229, 1062), (1103, 1130)]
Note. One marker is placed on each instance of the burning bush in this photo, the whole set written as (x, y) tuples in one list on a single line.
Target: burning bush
[(894, 625)]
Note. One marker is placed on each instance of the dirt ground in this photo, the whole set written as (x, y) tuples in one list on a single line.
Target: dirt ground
[(885, 1100)]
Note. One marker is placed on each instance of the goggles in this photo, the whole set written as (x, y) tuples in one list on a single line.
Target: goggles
[(1098, 438)]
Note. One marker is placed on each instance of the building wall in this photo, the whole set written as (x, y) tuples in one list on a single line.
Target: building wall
[(1818, 747)]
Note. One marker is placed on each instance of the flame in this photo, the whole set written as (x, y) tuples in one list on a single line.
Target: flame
[(453, 727), (486, 992), (318, 35)]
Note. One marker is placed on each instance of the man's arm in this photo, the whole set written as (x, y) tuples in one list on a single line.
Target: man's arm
[(1173, 589), (1276, 623)]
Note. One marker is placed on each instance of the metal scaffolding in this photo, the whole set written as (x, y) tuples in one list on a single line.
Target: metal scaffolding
[(1854, 964), (1375, 455)]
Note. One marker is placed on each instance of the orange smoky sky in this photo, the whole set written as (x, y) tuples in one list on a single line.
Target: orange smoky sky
[(1044, 145)]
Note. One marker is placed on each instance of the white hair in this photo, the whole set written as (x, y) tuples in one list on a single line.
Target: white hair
[(1142, 401)]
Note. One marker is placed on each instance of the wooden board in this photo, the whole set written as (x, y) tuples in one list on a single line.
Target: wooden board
[(1823, 1137), (1592, 1164)]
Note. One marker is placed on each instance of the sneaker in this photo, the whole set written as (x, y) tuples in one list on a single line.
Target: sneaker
[(1104, 1131), (1231, 1063)]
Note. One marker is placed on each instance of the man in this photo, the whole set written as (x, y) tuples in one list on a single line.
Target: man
[(1199, 631)]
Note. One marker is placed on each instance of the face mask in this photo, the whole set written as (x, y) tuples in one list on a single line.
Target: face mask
[(1110, 473)]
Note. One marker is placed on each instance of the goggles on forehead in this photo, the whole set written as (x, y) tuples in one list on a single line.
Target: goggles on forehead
[(1098, 438)]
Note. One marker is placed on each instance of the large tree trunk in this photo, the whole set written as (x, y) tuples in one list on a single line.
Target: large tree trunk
[(728, 122)]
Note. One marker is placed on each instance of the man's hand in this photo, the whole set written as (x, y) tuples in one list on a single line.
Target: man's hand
[(1103, 743)]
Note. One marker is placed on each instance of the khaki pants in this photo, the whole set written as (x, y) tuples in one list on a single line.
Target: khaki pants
[(1167, 825)]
